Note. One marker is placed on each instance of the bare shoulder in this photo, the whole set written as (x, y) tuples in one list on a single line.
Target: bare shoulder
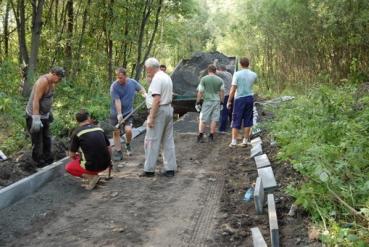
[(41, 84)]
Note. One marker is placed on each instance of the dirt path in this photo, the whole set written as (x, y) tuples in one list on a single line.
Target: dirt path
[(127, 210), (201, 206)]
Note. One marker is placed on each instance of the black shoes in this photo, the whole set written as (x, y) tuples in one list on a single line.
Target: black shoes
[(211, 138), (42, 163), (200, 138), (168, 174), (147, 174)]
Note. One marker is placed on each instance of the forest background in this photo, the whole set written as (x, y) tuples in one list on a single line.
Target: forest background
[(316, 50)]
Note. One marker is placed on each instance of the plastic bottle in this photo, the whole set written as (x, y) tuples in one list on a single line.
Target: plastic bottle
[(249, 195)]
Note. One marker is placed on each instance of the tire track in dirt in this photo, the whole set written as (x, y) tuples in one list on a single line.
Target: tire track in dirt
[(204, 222), (190, 220)]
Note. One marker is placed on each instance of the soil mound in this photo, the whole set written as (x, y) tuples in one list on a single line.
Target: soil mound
[(188, 72)]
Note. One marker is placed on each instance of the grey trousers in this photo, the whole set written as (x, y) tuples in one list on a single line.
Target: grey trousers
[(161, 134)]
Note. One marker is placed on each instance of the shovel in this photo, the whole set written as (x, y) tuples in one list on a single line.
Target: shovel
[(117, 126)]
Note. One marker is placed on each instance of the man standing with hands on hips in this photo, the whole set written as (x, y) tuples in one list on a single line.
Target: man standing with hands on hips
[(39, 116), (159, 130), (123, 92)]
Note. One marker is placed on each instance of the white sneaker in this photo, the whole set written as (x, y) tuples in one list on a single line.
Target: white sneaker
[(232, 145), (244, 144)]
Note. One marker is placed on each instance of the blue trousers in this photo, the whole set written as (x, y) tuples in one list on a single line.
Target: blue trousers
[(243, 112), (225, 115)]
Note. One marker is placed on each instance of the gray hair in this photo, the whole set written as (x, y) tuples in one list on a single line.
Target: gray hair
[(152, 63)]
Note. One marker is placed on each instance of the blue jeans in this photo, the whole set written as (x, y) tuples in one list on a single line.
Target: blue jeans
[(225, 115)]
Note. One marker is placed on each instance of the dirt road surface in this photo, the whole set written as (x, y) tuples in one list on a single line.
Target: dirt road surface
[(201, 206)]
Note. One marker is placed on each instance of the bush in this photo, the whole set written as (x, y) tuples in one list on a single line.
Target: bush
[(324, 134), (69, 100), (12, 122)]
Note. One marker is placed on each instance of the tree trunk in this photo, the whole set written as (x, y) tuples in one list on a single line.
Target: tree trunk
[(110, 60), (80, 42), (6, 30), (109, 47), (68, 48), (37, 9), (151, 42), (58, 48), (49, 13), (19, 14), (56, 13), (20, 19), (125, 46), (145, 17)]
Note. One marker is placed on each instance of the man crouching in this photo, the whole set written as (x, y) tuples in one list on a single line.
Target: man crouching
[(89, 150)]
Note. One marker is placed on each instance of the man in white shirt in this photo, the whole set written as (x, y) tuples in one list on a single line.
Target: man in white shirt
[(159, 130)]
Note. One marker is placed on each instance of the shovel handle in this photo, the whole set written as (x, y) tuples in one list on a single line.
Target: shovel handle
[(130, 114)]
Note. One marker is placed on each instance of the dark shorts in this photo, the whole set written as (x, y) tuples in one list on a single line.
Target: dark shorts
[(114, 120), (243, 111)]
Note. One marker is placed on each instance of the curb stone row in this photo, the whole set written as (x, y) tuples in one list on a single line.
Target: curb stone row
[(265, 183), (28, 185)]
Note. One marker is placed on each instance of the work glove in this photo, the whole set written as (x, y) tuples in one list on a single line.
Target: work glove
[(120, 117), (198, 107), (51, 117), (36, 124), (221, 106)]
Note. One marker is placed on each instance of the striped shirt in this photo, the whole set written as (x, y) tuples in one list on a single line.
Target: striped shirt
[(92, 144)]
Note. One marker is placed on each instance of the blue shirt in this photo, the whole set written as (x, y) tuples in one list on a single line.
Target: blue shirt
[(126, 93), (244, 79)]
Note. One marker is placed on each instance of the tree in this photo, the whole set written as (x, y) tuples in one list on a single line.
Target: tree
[(6, 30), (69, 37), (145, 18)]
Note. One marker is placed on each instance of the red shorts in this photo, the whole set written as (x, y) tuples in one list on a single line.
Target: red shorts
[(74, 168)]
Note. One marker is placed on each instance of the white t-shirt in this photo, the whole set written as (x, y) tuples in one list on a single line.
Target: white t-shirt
[(161, 84)]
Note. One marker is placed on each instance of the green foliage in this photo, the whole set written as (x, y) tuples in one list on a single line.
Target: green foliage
[(324, 135), (9, 78), (296, 42), (12, 123), (14, 141), (71, 97), (185, 30)]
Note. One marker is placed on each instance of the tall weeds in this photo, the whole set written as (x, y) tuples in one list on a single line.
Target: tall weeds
[(324, 134)]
